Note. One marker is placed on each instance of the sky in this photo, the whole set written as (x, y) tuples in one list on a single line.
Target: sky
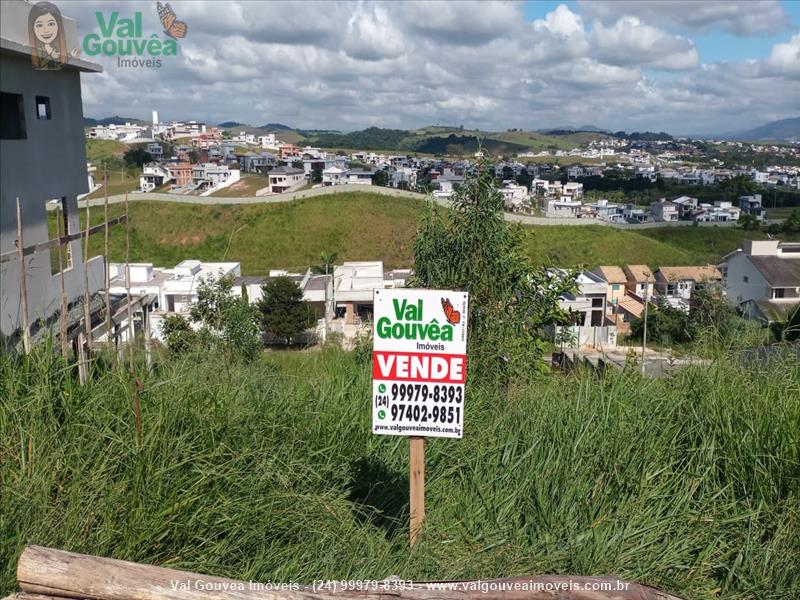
[(678, 66)]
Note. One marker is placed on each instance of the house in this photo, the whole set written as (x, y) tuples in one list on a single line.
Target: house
[(210, 177), (751, 205), (572, 189), (514, 196), (317, 288), (588, 323), (360, 177), (257, 163), (687, 206), (639, 281), (285, 179), (676, 284), (664, 211), (155, 150), (633, 214), (763, 279), (616, 279), (288, 151), (566, 208), (153, 175), (180, 173), (42, 157), (606, 211), (175, 289), (353, 286)]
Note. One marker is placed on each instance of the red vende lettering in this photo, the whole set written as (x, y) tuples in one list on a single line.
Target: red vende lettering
[(417, 366)]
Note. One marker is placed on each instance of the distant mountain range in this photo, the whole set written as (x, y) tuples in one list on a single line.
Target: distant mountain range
[(783, 130), (592, 128)]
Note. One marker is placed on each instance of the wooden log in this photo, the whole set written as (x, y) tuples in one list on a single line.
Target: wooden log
[(51, 572)]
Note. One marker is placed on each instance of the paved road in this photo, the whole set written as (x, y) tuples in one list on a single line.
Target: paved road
[(312, 193)]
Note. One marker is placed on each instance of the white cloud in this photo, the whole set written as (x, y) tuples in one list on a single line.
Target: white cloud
[(742, 17), (347, 65), (785, 58), (629, 41)]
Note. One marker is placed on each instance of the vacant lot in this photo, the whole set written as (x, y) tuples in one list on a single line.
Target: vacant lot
[(247, 186), (365, 226), (269, 472)]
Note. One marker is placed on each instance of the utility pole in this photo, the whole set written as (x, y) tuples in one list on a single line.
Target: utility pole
[(644, 332)]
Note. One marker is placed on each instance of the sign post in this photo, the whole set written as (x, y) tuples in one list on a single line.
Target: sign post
[(419, 367)]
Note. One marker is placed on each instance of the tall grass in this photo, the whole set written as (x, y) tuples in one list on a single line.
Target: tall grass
[(269, 471)]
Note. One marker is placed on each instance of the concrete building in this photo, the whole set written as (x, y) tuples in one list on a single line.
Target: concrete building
[(752, 205), (285, 179), (676, 284), (153, 175), (664, 211), (588, 323), (42, 157), (763, 278), (210, 177)]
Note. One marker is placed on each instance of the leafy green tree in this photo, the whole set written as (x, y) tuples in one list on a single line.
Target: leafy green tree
[(316, 174), (381, 178), (229, 320), (178, 334), (792, 222), (472, 248), (137, 156), (283, 312), (748, 222), (711, 315), (194, 157), (666, 325)]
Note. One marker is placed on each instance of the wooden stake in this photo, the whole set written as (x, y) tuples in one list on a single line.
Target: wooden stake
[(416, 479), (63, 316), (146, 329), (87, 315), (80, 351), (137, 410), (131, 333), (107, 277), (23, 286)]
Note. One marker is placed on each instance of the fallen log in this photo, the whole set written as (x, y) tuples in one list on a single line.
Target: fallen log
[(51, 574)]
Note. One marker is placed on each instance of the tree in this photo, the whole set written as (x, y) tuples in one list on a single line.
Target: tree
[(283, 312), (792, 222), (316, 173), (297, 164), (178, 334), (137, 156), (228, 320), (381, 178), (666, 325), (194, 157), (472, 248), (326, 263), (748, 222)]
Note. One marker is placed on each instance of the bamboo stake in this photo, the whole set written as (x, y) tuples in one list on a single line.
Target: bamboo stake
[(416, 467), (146, 329), (87, 316), (131, 332), (80, 351), (62, 320), (23, 286), (107, 275)]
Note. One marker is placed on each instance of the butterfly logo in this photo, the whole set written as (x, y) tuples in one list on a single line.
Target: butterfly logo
[(172, 26), (453, 316)]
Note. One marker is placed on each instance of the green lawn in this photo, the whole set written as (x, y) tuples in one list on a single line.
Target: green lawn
[(248, 185), (366, 226), (99, 150), (119, 182)]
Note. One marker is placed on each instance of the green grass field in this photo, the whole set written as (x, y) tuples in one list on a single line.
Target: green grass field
[(248, 185), (365, 226), (99, 150), (269, 472)]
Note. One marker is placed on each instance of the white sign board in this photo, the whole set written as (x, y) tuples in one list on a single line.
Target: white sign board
[(419, 362)]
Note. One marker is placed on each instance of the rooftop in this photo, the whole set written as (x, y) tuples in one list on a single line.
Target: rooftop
[(779, 272), (611, 274), (638, 272), (696, 274)]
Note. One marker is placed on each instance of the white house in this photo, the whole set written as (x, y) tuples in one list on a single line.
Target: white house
[(153, 175), (285, 179), (676, 284), (211, 177), (588, 322), (763, 278)]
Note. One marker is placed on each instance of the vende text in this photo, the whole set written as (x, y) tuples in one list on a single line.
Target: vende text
[(414, 366)]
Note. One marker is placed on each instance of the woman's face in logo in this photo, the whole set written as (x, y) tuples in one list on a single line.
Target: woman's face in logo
[(45, 28)]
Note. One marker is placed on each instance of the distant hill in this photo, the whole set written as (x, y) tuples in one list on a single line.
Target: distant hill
[(784, 130), (229, 124), (572, 128), (277, 127), (115, 120)]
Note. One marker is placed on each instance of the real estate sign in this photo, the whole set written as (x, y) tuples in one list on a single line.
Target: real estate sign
[(419, 362)]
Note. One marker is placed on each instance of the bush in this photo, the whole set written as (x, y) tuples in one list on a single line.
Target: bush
[(472, 248), (283, 313)]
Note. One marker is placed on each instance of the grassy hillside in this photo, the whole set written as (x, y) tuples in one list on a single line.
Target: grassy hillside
[(364, 226), (269, 472), (100, 150)]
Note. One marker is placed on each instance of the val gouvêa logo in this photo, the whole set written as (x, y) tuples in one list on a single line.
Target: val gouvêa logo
[(123, 37)]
